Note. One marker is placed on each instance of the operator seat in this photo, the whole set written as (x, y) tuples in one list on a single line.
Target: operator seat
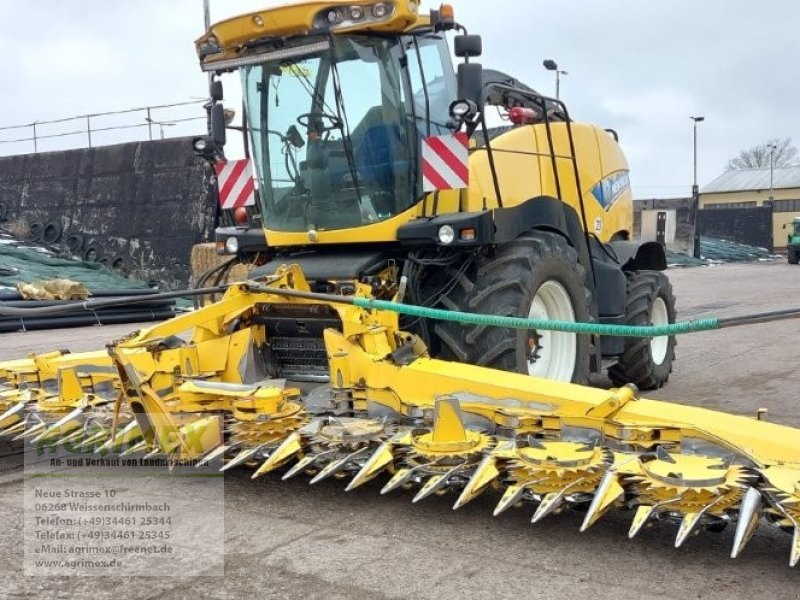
[(375, 159)]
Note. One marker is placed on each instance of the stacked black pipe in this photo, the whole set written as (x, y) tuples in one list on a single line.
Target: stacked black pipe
[(149, 310)]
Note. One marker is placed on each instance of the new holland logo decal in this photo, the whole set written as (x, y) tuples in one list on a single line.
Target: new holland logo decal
[(608, 190)]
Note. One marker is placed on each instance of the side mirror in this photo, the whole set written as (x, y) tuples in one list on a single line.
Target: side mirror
[(294, 138), (215, 90), (470, 82), (468, 46), (218, 125)]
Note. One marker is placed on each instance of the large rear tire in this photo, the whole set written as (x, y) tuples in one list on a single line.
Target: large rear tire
[(793, 256), (647, 363), (537, 276)]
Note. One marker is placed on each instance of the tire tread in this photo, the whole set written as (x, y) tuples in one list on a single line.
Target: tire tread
[(498, 285), (636, 365)]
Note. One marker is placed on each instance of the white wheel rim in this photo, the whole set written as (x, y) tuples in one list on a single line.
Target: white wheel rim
[(659, 345), (557, 351)]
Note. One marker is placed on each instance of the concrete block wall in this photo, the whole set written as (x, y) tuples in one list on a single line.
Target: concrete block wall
[(147, 202), (684, 220)]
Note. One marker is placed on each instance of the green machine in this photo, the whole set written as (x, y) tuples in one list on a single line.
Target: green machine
[(793, 245)]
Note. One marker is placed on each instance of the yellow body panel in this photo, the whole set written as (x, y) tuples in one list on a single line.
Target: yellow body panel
[(525, 171), (294, 20), (383, 231)]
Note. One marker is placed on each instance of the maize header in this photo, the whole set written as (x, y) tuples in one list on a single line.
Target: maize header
[(206, 385)]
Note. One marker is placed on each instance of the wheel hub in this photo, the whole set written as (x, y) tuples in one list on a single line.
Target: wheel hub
[(552, 354), (659, 346)]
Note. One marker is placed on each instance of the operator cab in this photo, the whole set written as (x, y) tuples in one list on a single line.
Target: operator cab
[(335, 132)]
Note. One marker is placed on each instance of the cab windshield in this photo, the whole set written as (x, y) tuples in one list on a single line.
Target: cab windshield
[(335, 134)]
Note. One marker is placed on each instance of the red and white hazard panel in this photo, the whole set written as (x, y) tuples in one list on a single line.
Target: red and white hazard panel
[(445, 162), (236, 185)]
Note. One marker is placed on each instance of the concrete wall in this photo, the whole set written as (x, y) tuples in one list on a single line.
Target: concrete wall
[(147, 202), (747, 225), (649, 230), (786, 207), (680, 215)]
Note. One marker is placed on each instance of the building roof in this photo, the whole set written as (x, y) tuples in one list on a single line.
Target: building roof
[(754, 179)]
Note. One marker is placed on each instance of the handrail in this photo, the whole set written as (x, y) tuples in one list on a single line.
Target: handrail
[(90, 128)]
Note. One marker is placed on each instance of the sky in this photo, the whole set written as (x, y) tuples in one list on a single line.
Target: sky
[(641, 67)]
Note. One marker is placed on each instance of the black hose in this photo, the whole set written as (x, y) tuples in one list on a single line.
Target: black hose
[(94, 316), (699, 325), (84, 320), (107, 312), (9, 295), (131, 292), (91, 305), (334, 299), (212, 271), (223, 275), (42, 303), (198, 300), (767, 317)]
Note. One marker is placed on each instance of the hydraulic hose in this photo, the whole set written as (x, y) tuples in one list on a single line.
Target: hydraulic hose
[(14, 296), (540, 324), (215, 270), (116, 318), (635, 331), (91, 305)]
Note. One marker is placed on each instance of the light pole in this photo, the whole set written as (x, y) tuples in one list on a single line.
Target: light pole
[(772, 148), (551, 65), (696, 189), (207, 23)]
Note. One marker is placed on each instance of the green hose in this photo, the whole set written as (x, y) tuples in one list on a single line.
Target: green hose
[(634, 331)]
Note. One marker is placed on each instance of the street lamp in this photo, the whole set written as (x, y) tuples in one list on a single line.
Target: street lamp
[(207, 23), (772, 148), (696, 189), (551, 65)]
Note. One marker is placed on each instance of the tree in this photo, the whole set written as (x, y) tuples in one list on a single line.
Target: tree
[(785, 154)]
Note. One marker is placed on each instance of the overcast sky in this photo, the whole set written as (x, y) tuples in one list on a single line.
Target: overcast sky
[(641, 67)]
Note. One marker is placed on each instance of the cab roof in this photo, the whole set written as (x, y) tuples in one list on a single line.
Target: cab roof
[(231, 38)]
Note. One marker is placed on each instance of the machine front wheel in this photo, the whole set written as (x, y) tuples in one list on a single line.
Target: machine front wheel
[(536, 276), (793, 256), (647, 363)]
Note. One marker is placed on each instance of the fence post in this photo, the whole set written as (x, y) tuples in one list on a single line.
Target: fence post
[(89, 129), (149, 123), (35, 141)]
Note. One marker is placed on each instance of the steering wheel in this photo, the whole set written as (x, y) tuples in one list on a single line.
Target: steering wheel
[(317, 122)]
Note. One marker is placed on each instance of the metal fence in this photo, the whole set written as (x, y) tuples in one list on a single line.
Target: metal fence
[(155, 122)]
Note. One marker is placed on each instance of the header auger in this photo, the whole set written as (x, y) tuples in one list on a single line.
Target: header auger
[(391, 413)]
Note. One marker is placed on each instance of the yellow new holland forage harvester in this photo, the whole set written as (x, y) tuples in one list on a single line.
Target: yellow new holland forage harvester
[(352, 110), (216, 383)]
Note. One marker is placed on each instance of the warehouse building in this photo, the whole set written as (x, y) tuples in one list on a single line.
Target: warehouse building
[(753, 188)]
